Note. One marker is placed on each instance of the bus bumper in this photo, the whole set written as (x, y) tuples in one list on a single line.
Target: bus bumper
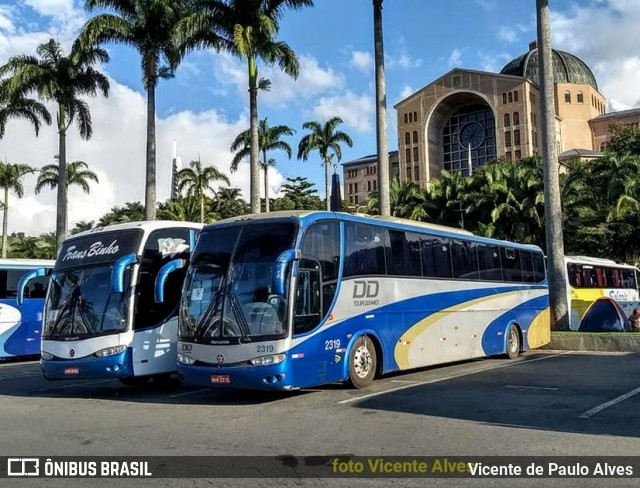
[(271, 377), (115, 366)]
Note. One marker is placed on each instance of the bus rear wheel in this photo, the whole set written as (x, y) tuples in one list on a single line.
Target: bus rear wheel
[(513, 342), (362, 363)]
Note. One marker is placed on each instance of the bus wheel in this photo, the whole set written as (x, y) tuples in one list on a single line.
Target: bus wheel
[(136, 380), (362, 363), (513, 342)]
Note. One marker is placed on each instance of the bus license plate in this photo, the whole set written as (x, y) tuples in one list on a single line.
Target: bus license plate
[(71, 370), (220, 378)]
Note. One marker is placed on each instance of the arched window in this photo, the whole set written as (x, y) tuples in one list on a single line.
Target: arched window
[(580, 97), (415, 137), (515, 97), (504, 98), (407, 138), (567, 97), (507, 120), (603, 146), (516, 118), (510, 97)]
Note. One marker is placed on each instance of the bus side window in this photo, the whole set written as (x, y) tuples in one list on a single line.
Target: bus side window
[(489, 262), (161, 247), (538, 267), (436, 257), (365, 246), (465, 260), (511, 269), (403, 255), (320, 244), (527, 266)]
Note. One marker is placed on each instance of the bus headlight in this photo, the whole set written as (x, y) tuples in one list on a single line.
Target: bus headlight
[(46, 355), (184, 359), (110, 351), (271, 359)]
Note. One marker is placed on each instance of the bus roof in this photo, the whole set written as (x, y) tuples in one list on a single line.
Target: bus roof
[(592, 260), (146, 225), (23, 263), (375, 219)]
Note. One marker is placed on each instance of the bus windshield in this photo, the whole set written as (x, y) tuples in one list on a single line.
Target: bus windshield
[(81, 304), (229, 290)]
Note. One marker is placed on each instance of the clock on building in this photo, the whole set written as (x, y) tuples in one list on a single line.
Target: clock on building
[(472, 134)]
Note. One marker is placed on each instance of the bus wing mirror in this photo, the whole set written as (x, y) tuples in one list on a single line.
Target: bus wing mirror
[(163, 274), (117, 275), (22, 284), (280, 269)]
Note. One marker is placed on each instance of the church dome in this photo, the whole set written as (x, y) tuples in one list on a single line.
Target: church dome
[(567, 68)]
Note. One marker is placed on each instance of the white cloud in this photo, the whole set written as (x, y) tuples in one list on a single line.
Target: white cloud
[(362, 60), (399, 57), (313, 79), (455, 58), (487, 4), (507, 34), (493, 62), (356, 111), (406, 91), (6, 19), (586, 31)]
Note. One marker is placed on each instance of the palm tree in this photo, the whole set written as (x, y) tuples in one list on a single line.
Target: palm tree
[(82, 226), (11, 175), (268, 140), (131, 212), (17, 105), (228, 203), (553, 209), (148, 26), (326, 140), (61, 79), (381, 113), (246, 29), (196, 180), (77, 174)]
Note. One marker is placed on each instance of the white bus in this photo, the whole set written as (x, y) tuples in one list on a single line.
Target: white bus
[(591, 279), (21, 317), (111, 309), (296, 299)]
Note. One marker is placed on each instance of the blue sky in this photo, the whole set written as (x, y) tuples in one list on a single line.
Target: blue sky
[(206, 104)]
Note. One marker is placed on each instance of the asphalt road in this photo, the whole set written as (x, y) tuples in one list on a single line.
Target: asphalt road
[(543, 404)]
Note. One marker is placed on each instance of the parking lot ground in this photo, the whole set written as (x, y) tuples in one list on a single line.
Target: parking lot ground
[(544, 403)]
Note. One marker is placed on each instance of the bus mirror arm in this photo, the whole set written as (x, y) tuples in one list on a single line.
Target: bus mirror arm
[(280, 268), (163, 274), (35, 273), (117, 275)]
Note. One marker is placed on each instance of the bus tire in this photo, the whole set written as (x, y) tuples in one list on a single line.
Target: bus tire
[(136, 380), (513, 342), (362, 362)]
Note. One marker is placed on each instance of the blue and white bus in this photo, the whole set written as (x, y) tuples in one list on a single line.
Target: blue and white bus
[(297, 299), (111, 310), (21, 323)]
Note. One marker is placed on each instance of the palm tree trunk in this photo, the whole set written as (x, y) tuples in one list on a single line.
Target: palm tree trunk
[(5, 216), (266, 189), (202, 208), (327, 162), (553, 209), (253, 155), (61, 217), (150, 187), (381, 114)]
